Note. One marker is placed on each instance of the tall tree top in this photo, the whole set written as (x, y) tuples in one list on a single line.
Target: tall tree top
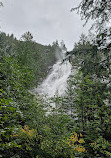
[(27, 36), (98, 10)]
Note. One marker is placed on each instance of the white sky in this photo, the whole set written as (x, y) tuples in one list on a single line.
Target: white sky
[(47, 20)]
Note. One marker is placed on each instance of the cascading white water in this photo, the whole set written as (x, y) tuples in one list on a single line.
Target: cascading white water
[(56, 81)]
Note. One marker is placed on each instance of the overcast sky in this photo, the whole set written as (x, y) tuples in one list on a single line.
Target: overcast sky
[(47, 20)]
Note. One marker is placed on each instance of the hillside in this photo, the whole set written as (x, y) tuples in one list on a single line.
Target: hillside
[(78, 125), (29, 54)]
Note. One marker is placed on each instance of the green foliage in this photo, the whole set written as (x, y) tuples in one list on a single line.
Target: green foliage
[(45, 135), (17, 104), (89, 95), (80, 123), (14, 101), (95, 10), (103, 146), (90, 111), (27, 36), (31, 56)]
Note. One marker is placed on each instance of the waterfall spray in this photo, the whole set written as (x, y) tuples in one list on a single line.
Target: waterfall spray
[(56, 81)]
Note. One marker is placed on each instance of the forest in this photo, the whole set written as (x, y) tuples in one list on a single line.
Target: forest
[(79, 126)]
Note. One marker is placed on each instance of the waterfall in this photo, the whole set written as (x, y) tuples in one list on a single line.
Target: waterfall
[(56, 81)]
